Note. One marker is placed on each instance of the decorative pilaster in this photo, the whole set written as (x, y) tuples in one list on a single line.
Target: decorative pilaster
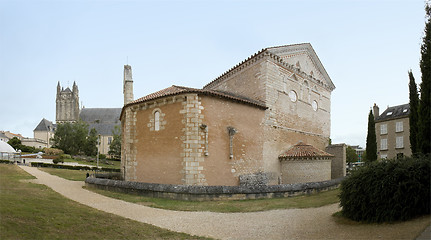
[(194, 139)]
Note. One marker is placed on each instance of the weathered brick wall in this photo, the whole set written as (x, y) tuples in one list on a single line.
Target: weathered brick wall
[(338, 165), (220, 114), (286, 122), (302, 171), (192, 145)]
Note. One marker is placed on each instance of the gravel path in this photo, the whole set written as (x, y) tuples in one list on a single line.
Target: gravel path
[(311, 223)]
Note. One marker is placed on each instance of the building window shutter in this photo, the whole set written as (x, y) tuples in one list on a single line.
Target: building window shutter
[(399, 142), (383, 129), (384, 144), (399, 127)]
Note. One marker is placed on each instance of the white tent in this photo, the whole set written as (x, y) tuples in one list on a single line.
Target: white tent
[(6, 148), (6, 151)]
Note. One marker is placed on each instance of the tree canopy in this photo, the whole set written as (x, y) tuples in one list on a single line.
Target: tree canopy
[(351, 155), (371, 139), (115, 147), (413, 116), (424, 137), (74, 138)]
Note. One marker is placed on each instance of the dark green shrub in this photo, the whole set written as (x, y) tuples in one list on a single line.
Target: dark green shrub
[(102, 156), (388, 190)]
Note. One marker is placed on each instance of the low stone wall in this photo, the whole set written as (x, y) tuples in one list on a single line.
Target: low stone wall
[(204, 193)]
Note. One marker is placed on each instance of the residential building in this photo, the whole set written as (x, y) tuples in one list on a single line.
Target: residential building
[(392, 131)]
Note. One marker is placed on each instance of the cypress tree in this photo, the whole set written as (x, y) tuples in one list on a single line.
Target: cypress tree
[(371, 139), (413, 116), (424, 138)]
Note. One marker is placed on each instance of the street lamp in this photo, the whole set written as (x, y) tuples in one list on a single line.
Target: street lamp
[(98, 146)]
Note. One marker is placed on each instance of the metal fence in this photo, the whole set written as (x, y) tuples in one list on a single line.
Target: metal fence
[(13, 157)]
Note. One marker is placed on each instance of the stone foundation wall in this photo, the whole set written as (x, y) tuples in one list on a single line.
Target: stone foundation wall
[(305, 171), (205, 193), (338, 165)]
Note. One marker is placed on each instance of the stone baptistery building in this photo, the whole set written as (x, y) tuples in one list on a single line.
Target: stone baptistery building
[(265, 121)]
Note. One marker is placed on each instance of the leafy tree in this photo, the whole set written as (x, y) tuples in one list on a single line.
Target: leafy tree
[(15, 143), (424, 137), (71, 137), (351, 155), (413, 116), (90, 148), (371, 144), (115, 147)]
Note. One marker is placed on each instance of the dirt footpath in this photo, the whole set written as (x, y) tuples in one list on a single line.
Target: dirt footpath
[(311, 223)]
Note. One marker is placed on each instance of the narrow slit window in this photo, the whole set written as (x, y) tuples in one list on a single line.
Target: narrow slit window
[(157, 121)]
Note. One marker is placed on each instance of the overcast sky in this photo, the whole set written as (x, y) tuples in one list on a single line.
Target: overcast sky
[(366, 47)]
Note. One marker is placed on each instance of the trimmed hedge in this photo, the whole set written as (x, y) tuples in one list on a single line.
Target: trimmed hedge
[(41, 164), (6, 161), (388, 190)]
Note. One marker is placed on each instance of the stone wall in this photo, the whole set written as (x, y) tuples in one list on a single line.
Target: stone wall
[(247, 142), (203, 193), (288, 119), (192, 144), (300, 171), (338, 165)]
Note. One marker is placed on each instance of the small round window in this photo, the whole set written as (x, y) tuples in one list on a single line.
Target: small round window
[(314, 105), (292, 95)]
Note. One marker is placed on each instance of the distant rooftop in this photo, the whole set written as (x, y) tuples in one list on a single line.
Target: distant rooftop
[(394, 112)]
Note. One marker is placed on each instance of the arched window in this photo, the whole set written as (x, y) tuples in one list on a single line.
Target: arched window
[(156, 121)]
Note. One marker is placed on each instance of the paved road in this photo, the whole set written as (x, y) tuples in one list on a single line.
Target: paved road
[(311, 223)]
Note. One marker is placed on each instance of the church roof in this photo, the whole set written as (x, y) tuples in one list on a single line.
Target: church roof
[(278, 54), (45, 125), (303, 151), (175, 90), (394, 112), (103, 120), (100, 115)]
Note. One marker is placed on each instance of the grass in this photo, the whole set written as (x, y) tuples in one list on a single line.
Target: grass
[(33, 211), (102, 163), (305, 201), (74, 175)]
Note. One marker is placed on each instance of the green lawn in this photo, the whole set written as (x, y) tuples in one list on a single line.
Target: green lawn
[(102, 163), (305, 201), (74, 175), (33, 211)]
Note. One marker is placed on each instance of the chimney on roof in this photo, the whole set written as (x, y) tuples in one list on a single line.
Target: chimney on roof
[(375, 111), (128, 84)]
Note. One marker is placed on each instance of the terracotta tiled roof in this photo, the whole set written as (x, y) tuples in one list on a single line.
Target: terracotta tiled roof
[(302, 150), (175, 90)]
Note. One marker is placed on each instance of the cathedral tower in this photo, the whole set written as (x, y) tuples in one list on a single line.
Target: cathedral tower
[(67, 104), (128, 84)]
